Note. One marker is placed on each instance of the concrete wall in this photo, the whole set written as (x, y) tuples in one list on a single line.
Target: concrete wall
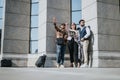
[(102, 15), (89, 13), (16, 31), (51, 8), (109, 33), (104, 18)]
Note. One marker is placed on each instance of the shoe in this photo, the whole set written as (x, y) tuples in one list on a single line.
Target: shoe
[(58, 65), (71, 65), (78, 65), (74, 65), (61, 66), (84, 65)]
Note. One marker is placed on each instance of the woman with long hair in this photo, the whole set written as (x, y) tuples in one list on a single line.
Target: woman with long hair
[(73, 45)]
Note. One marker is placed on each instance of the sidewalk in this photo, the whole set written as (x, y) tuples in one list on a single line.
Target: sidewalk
[(60, 74)]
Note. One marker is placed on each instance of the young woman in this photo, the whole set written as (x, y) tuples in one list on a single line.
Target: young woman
[(73, 45), (61, 40)]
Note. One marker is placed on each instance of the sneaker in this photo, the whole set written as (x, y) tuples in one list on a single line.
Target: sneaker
[(61, 66), (71, 65), (57, 65), (84, 66), (78, 65), (74, 65)]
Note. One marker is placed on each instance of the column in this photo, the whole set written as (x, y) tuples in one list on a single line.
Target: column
[(16, 31), (89, 13), (104, 18), (51, 8), (108, 33)]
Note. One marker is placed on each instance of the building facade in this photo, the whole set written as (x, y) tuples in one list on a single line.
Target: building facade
[(28, 31)]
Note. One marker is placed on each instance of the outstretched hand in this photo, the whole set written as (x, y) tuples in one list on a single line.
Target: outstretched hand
[(54, 19), (66, 24)]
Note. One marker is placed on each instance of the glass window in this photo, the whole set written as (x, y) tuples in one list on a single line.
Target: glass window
[(1, 16), (1, 24), (34, 26), (35, 8), (34, 21), (1, 3), (35, 1), (34, 34), (76, 16), (1, 12), (76, 4), (34, 47)]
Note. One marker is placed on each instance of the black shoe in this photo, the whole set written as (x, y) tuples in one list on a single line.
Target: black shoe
[(71, 65), (41, 61)]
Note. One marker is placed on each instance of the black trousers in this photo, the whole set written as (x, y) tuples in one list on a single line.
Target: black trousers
[(73, 51)]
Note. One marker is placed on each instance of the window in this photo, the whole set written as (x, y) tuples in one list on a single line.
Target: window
[(76, 5), (34, 9), (1, 13), (76, 16), (1, 3), (1, 18), (34, 26), (34, 47), (0, 23), (34, 35), (34, 21), (76, 11), (35, 1)]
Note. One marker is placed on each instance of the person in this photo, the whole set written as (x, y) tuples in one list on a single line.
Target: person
[(84, 40), (61, 40), (73, 45)]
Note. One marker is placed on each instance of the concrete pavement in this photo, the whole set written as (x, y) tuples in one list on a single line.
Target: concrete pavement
[(60, 74)]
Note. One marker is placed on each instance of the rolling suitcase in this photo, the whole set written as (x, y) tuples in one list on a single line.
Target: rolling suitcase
[(41, 61)]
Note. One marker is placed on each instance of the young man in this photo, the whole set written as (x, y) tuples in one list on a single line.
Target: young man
[(61, 40), (84, 39)]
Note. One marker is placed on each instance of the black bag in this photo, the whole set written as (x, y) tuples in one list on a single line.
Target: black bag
[(41, 61), (6, 63), (60, 41)]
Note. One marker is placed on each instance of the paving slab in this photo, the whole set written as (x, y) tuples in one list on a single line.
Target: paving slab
[(59, 73)]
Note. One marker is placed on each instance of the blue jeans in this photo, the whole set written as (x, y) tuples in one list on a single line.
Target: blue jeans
[(60, 53)]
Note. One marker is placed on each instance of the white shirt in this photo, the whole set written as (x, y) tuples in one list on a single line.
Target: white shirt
[(87, 31), (75, 37)]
